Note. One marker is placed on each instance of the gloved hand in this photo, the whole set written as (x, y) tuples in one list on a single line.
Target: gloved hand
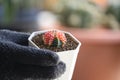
[(18, 61)]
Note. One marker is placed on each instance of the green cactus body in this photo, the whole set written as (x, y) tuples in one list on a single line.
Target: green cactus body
[(57, 43)]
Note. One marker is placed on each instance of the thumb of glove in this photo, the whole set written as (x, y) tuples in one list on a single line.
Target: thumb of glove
[(13, 52)]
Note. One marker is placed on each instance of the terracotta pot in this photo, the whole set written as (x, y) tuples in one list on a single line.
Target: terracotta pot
[(99, 57)]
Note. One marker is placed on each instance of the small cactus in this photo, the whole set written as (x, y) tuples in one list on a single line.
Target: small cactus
[(54, 38)]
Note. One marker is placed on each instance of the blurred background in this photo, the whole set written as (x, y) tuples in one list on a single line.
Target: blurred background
[(96, 23), (28, 15)]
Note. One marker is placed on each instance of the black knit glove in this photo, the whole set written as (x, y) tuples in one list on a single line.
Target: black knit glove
[(18, 61)]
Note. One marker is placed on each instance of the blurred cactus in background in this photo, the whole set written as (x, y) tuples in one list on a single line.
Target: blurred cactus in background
[(115, 11), (112, 12), (85, 14), (77, 13)]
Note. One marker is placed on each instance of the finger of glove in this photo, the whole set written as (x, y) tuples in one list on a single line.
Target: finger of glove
[(17, 37), (21, 72), (12, 52)]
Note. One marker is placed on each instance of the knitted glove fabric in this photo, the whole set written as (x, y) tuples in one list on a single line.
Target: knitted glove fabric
[(18, 61)]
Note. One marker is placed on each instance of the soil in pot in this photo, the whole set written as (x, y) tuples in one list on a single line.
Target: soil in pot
[(71, 44)]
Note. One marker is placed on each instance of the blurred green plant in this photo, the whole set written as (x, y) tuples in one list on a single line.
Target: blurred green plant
[(115, 11), (76, 18), (11, 7), (85, 14), (77, 13), (9, 10), (112, 16)]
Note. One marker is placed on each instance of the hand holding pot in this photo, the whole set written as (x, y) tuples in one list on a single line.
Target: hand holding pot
[(20, 61)]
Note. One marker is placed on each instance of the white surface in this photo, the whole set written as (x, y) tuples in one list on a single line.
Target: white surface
[(68, 57), (46, 19)]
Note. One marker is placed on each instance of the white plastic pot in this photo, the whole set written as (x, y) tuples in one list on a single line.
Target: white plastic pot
[(68, 57)]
